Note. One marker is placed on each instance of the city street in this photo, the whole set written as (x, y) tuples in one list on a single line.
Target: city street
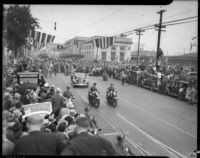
[(154, 124)]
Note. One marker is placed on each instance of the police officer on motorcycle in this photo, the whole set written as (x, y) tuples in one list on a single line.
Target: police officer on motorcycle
[(110, 89), (93, 88)]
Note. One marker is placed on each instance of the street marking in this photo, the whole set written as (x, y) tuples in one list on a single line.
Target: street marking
[(130, 140), (160, 119), (108, 134), (164, 146)]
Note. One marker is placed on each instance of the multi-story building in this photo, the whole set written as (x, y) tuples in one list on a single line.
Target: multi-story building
[(72, 46), (119, 51)]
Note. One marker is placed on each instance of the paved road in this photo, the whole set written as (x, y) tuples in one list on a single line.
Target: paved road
[(154, 124)]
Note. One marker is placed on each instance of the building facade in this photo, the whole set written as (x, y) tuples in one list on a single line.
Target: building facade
[(73, 46), (120, 51)]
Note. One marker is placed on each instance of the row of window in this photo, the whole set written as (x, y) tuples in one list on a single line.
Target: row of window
[(113, 56), (121, 48)]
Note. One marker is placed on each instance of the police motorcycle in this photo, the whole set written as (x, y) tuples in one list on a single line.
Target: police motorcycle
[(112, 98), (93, 98)]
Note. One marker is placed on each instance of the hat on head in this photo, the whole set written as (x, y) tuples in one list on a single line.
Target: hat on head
[(17, 95), (17, 113), (72, 112), (46, 85), (35, 119), (68, 87), (58, 90), (46, 122)]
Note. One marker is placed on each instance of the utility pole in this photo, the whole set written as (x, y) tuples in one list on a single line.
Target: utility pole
[(138, 32), (159, 30)]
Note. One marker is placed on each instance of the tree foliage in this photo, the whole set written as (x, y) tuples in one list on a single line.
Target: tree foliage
[(18, 21)]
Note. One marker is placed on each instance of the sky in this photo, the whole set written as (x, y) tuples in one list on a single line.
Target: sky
[(111, 20)]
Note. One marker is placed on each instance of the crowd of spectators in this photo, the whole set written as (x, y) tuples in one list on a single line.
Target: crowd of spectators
[(63, 132)]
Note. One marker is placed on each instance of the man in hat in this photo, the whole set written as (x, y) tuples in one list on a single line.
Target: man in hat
[(111, 88), (68, 94), (16, 101), (57, 102), (37, 142), (121, 148), (93, 122), (25, 99), (85, 144)]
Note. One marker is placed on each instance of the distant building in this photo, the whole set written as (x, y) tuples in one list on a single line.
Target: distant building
[(119, 51), (135, 47), (72, 46)]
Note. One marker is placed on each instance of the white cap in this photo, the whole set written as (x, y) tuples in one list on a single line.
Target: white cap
[(46, 85), (58, 90)]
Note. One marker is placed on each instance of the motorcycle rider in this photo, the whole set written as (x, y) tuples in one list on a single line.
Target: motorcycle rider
[(92, 89), (110, 89)]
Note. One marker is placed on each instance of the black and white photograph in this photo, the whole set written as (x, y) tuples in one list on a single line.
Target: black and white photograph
[(100, 80)]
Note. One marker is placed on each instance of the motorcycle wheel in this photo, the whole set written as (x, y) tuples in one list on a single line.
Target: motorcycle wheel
[(97, 103)]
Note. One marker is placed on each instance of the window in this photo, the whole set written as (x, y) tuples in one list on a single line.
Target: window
[(122, 48), (103, 55), (112, 56), (113, 48), (121, 56), (129, 48)]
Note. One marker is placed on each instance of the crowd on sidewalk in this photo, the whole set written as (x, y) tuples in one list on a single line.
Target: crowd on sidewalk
[(63, 132)]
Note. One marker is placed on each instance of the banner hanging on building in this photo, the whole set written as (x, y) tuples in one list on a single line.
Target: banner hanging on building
[(38, 39), (104, 42)]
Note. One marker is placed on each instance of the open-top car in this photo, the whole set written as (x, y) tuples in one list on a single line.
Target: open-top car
[(80, 83)]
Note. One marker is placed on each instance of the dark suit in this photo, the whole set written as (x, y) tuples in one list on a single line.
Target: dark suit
[(57, 102), (85, 144), (38, 143)]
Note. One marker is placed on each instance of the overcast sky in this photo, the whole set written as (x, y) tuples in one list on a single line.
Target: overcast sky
[(109, 20)]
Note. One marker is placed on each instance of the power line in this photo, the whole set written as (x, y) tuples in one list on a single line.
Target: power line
[(152, 26), (165, 17), (181, 23), (180, 19)]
